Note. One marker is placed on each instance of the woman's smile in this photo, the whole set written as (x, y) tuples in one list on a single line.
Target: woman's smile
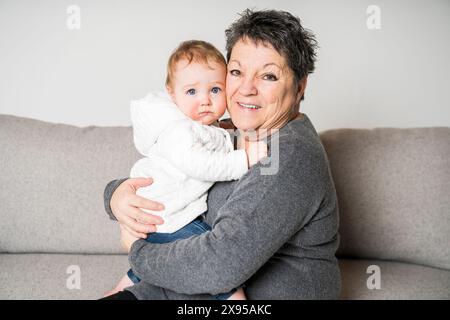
[(249, 106)]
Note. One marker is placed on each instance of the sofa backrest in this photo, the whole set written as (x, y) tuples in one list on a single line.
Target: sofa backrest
[(52, 178), (393, 189)]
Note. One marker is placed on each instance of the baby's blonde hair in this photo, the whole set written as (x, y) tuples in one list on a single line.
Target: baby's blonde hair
[(193, 51)]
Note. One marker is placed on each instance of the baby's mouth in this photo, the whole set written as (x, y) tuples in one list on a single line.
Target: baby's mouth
[(206, 115)]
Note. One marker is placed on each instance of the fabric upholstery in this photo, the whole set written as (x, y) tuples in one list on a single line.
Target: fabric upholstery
[(393, 190), (46, 276), (52, 178), (398, 281)]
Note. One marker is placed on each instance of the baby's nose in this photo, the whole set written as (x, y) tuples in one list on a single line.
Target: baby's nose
[(205, 101)]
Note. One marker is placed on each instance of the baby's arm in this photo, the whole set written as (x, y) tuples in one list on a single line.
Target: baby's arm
[(179, 146)]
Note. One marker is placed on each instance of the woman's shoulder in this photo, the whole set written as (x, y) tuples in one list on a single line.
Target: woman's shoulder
[(297, 155), (301, 128), (299, 138), (300, 160)]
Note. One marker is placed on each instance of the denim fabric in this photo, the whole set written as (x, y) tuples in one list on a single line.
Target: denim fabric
[(196, 227)]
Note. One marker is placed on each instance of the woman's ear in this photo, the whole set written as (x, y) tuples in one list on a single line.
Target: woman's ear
[(301, 88)]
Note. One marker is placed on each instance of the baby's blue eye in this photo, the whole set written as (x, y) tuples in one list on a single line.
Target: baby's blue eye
[(190, 92), (216, 90)]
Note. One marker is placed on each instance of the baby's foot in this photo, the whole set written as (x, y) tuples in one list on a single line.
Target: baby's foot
[(238, 295), (125, 282)]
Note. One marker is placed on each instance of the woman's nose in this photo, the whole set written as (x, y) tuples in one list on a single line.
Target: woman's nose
[(248, 88)]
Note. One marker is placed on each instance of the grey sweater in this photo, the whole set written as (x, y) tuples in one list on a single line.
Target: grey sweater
[(277, 234)]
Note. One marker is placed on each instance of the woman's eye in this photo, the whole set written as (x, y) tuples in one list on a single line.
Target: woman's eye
[(216, 90), (190, 92), (270, 77), (235, 72)]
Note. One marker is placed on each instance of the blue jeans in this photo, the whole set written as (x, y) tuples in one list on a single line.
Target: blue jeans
[(196, 227)]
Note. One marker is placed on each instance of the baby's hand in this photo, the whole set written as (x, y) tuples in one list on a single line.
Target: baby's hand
[(256, 150)]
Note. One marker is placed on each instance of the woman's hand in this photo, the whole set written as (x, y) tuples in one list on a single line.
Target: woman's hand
[(126, 207), (126, 238)]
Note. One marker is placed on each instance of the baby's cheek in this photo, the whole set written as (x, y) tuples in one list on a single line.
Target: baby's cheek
[(193, 112), (223, 104)]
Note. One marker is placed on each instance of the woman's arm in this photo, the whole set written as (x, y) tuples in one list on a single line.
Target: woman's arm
[(122, 204), (107, 194), (261, 214)]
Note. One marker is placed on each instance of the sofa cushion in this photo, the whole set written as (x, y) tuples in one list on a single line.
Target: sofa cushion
[(53, 177), (53, 276), (45, 276), (397, 281), (393, 190)]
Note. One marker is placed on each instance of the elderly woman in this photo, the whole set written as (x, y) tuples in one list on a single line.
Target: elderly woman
[(277, 233)]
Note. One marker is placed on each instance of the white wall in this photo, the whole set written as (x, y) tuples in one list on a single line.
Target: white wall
[(397, 76)]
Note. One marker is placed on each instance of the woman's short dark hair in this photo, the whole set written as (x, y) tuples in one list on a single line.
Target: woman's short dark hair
[(280, 29)]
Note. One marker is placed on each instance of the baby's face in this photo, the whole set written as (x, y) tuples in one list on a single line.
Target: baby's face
[(198, 89)]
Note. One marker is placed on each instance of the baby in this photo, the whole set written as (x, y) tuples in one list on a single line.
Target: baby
[(185, 151)]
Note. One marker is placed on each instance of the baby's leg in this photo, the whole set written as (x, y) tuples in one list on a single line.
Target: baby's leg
[(238, 295), (125, 282)]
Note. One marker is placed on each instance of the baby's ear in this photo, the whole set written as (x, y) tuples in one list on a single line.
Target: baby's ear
[(170, 92)]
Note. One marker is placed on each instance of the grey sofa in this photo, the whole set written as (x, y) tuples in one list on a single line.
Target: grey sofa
[(56, 241)]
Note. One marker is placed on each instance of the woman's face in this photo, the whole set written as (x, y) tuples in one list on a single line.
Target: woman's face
[(260, 87)]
